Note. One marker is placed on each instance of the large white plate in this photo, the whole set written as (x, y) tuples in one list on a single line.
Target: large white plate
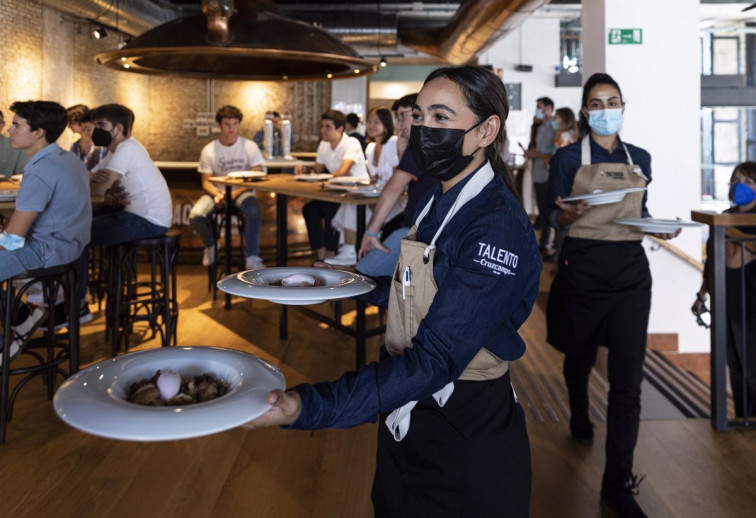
[(656, 226), (349, 180), (257, 284), (247, 174), (370, 191), (94, 399), (8, 195), (603, 197), (315, 177)]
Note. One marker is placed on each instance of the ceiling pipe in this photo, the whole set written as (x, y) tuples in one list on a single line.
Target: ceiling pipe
[(132, 17), (476, 25)]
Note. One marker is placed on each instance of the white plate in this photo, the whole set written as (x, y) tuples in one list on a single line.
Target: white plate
[(315, 177), (247, 174), (370, 191), (603, 197), (656, 226), (8, 195), (257, 284), (94, 399), (349, 180), (17, 177)]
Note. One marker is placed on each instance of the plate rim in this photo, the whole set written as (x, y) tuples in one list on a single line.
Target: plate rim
[(235, 403), (246, 174)]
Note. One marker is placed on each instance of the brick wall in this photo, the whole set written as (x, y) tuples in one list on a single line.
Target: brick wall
[(47, 55)]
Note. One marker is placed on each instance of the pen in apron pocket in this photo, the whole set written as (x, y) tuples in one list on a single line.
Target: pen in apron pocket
[(405, 282)]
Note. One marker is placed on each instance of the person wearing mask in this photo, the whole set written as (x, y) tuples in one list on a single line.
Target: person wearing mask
[(228, 153), (378, 258), (741, 349), (540, 155), (452, 439), (80, 122), (601, 295), (12, 160), (339, 155), (381, 159), (353, 129), (51, 222), (147, 209)]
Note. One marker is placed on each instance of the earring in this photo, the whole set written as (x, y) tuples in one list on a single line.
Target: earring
[(484, 142)]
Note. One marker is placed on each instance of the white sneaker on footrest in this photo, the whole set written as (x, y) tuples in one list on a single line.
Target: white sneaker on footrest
[(347, 256), (208, 256)]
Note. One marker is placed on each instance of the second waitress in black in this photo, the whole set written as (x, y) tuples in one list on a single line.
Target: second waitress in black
[(601, 295)]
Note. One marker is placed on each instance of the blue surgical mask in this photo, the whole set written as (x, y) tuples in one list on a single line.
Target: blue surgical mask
[(605, 122), (539, 114), (742, 194), (554, 124)]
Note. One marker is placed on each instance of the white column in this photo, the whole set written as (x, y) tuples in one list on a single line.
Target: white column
[(660, 82)]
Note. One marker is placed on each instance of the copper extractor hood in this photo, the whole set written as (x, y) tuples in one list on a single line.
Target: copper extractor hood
[(255, 42)]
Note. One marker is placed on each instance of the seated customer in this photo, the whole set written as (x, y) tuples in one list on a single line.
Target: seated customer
[(339, 155), (12, 160), (53, 215), (229, 152), (147, 207), (80, 122), (381, 158)]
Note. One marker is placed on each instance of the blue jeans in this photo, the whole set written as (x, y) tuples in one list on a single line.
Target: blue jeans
[(113, 229), (13, 262), (377, 263), (201, 220)]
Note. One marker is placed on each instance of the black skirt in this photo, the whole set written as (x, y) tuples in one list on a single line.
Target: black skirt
[(601, 295), (469, 458)]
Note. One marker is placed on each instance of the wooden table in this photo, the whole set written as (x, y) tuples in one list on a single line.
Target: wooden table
[(285, 185)]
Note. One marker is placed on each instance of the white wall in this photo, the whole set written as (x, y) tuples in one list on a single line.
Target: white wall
[(536, 43), (350, 96), (660, 81)]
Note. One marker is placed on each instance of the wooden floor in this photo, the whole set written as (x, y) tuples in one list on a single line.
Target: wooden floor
[(49, 469)]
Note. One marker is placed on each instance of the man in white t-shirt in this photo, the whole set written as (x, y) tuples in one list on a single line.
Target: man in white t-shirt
[(230, 152), (146, 210), (340, 155)]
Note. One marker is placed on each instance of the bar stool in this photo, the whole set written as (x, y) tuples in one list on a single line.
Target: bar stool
[(154, 300), (213, 276), (51, 350)]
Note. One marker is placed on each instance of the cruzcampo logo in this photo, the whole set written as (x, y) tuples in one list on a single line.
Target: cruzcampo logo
[(625, 36)]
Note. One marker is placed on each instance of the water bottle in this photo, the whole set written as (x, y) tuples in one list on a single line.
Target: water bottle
[(286, 135), (268, 135)]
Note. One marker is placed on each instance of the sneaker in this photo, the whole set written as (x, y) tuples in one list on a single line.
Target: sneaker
[(208, 256), (254, 262), (347, 256), (25, 330), (60, 314), (581, 428), (620, 497)]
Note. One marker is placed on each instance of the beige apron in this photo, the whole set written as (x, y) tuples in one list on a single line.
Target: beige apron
[(597, 222), (412, 291)]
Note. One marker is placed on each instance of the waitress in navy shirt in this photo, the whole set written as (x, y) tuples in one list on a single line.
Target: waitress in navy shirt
[(451, 437), (601, 294)]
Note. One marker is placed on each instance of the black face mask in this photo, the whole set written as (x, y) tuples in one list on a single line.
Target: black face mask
[(438, 151), (101, 137)]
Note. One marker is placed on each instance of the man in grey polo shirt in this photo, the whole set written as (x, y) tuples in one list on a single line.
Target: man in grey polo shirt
[(544, 148)]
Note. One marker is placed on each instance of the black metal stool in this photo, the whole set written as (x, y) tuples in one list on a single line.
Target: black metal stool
[(52, 349), (219, 225), (153, 300)]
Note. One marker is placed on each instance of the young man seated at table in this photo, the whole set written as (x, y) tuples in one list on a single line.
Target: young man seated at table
[(229, 152), (51, 223), (339, 155), (12, 160), (146, 206)]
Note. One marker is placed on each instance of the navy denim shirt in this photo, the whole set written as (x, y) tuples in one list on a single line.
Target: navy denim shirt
[(565, 163), (487, 268)]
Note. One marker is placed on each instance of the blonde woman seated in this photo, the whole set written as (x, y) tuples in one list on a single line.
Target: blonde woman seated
[(382, 157)]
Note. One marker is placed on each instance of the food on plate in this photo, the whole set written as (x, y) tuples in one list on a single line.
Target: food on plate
[(298, 279), (168, 388)]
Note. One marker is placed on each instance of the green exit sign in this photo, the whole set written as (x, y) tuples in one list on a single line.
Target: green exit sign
[(625, 36)]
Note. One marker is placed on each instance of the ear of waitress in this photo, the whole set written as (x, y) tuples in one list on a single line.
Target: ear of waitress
[(601, 294), (451, 437)]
